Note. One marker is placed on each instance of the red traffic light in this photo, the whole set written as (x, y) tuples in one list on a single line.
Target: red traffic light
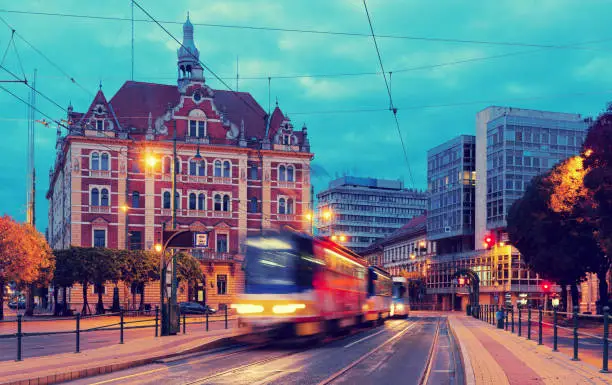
[(489, 240), (546, 286)]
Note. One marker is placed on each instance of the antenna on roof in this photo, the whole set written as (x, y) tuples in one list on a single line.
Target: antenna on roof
[(132, 40), (269, 95)]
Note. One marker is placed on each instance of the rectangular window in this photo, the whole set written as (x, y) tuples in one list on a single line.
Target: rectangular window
[(201, 129), (193, 128), (99, 238), (135, 240), (100, 125), (222, 243), (221, 284)]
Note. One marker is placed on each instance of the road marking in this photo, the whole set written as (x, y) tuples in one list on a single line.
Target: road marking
[(443, 371), (364, 338)]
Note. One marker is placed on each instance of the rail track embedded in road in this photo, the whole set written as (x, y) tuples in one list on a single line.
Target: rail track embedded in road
[(424, 378)]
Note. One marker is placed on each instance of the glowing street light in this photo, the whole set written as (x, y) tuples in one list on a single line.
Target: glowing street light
[(588, 153), (151, 160), (125, 208), (327, 214), (412, 256), (158, 247)]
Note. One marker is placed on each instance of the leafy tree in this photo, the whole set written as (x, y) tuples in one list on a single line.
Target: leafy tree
[(189, 269), (46, 265), (23, 253), (64, 276), (555, 245), (141, 267), (105, 265)]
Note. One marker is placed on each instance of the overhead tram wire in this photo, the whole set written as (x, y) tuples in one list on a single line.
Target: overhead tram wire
[(34, 89), (302, 30), (391, 106), (56, 66)]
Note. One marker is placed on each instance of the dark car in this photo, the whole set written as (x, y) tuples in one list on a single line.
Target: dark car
[(195, 308), (17, 304)]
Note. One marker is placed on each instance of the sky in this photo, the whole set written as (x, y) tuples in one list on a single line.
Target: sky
[(350, 127)]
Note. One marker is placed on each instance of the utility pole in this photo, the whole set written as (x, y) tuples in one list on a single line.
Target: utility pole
[(132, 39), (31, 182)]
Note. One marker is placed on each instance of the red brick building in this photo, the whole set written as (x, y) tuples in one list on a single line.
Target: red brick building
[(106, 191)]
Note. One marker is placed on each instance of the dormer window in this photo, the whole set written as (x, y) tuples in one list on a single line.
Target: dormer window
[(286, 139), (197, 128), (100, 124)]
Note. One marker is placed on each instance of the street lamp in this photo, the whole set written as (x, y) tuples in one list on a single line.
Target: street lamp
[(158, 247), (151, 160)]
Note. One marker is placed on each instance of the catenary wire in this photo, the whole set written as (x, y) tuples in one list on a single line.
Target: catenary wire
[(302, 30)]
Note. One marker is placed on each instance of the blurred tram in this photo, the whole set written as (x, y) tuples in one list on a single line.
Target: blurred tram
[(299, 285), (401, 300)]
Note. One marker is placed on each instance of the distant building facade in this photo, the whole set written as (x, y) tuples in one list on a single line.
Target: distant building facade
[(365, 210), (238, 172)]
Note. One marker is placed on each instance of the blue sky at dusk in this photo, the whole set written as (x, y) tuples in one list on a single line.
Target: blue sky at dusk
[(349, 128)]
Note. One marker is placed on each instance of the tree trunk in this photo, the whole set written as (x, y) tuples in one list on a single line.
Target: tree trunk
[(1, 298), (30, 300), (66, 307), (602, 274), (85, 309), (100, 304), (563, 297), (133, 288), (55, 296), (141, 307), (575, 299)]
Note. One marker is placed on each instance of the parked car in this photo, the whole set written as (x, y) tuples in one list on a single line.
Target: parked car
[(195, 308), (20, 304)]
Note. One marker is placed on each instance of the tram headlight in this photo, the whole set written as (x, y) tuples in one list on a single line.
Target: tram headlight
[(247, 308), (286, 309), (399, 307)]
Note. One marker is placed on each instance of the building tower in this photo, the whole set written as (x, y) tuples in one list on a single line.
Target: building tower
[(189, 68)]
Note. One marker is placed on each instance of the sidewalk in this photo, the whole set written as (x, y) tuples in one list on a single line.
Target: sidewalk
[(493, 356), (70, 366)]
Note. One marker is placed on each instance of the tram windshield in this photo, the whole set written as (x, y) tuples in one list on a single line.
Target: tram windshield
[(399, 290), (278, 265)]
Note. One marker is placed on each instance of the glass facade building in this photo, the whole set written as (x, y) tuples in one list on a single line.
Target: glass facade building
[(366, 210), (451, 180)]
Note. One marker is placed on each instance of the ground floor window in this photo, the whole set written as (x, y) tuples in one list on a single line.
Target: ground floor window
[(221, 284)]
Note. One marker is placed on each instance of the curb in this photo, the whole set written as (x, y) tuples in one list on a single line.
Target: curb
[(468, 370), (105, 369)]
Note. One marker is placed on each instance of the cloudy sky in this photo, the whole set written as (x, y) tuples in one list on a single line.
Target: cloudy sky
[(506, 56)]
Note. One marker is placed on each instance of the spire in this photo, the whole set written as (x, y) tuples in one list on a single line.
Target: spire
[(189, 68)]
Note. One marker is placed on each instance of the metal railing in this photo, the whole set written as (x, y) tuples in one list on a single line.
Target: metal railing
[(568, 323), (121, 325)]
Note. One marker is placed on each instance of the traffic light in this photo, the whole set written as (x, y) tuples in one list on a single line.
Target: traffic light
[(489, 241), (546, 287)]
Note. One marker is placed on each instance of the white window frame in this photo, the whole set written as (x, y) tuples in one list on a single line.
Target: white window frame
[(100, 161), (222, 193), (197, 115), (100, 187), (197, 193), (98, 227), (286, 198), (180, 197), (91, 154), (222, 232), (283, 173)]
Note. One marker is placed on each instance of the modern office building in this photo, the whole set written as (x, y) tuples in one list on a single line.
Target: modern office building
[(361, 211), (451, 181), (512, 146)]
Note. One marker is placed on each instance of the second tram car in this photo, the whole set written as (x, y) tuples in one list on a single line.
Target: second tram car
[(380, 288), (401, 300)]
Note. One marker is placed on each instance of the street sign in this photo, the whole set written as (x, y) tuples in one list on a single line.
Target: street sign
[(200, 240)]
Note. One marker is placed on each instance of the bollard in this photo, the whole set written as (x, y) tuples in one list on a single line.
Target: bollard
[(19, 335), (512, 310), (184, 323), (121, 326), (520, 324), (506, 323), (156, 320), (206, 321), (78, 332), (226, 316), (540, 326), (606, 315), (529, 322), (499, 316), (555, 330), (575, 315)]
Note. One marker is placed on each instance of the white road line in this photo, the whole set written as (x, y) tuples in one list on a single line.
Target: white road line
[(364, 338)]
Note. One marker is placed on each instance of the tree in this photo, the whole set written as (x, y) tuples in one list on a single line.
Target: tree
[(64, 276), (46, 265), (23, 252), (105, 265), (555, 245), (141, 267), (189, 269)]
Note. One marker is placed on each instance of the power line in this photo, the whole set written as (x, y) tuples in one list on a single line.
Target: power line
[(308, 31), (391, 106), (33, 107), (34, 89)]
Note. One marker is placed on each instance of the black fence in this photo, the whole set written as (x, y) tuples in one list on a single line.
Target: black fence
[(187, 322), (564, 329)]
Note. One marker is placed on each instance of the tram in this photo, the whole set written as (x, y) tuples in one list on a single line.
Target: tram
[(299, 285), (400, 306)]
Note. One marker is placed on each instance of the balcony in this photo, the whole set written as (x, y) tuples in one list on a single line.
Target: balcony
[(285, 184), (222, 180), (100, 209), (100, 173), (221, 214), (194, 178), (196, 140), (287, 217), (208, 255)]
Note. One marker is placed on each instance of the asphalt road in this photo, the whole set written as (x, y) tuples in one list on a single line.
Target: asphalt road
[(65, 341), (399, 351)]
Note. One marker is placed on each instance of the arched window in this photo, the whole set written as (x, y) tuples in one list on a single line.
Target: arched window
[(104, 163), (289, 206), (226, 203), (192, 201), (177, 200), (217, 168), (166, 203), (281, 173), (135, 199), (95, 161), (253, 172), (201, 166), (290, 175), (95, 197), (217, 202), (192, 167), (253, 205), (227, 169), (104, 197), (167, 165), (201, 201), (281, 206)]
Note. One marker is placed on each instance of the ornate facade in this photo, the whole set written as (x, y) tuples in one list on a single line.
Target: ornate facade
[(238, 170)]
